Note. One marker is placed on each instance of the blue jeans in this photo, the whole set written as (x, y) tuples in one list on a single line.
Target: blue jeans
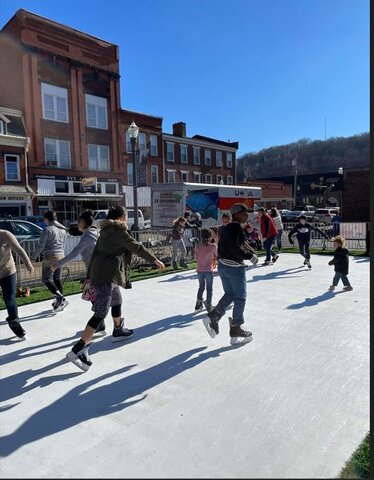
[(8, 286), (343, 278), (279, 239), (268, 246), (234, 285), (205, 279)]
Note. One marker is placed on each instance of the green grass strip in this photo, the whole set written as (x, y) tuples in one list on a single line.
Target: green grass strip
[(358, 466)]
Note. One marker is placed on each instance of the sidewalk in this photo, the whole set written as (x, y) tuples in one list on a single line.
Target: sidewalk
[(172, 402)]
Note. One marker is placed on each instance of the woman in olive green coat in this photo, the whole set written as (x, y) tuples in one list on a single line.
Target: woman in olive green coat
[(109, 269)]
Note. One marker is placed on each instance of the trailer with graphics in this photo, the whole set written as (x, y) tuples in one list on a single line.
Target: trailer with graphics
[(172, 200)]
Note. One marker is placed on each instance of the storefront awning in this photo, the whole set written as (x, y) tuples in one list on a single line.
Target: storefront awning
[(81, 197)]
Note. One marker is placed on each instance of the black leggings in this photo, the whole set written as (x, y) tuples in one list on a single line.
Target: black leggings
[(52, 280)]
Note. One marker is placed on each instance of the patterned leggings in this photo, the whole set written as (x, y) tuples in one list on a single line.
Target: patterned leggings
[(107, 296)]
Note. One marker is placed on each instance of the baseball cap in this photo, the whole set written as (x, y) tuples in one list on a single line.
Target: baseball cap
[(239, 208)]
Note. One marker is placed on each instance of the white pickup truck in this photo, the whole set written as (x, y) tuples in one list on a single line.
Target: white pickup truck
[(100, 215)]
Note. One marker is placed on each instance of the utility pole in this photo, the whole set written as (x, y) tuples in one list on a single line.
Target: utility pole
[(294, 163)]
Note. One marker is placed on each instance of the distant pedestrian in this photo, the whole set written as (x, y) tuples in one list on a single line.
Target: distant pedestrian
[(8, 245), (206, 259), (52, 246), (277, 219), (177, 243), (341, 264), (302, 230), (269, 233), (336, 221)]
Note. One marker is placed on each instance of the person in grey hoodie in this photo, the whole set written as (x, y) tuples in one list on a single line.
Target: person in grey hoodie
[(52, 247)]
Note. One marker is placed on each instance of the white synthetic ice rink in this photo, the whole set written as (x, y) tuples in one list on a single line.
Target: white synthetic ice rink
[(172, 402)]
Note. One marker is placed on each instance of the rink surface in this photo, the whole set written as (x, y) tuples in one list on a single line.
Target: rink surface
[(172, 402)]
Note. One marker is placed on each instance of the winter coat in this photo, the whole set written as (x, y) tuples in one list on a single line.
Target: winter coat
[(111, 258), (278, 222), (177, 232), (52, 241), (9, 243), (341, 260), (303, 232), (233, 245), (268, 228), (85, 247)]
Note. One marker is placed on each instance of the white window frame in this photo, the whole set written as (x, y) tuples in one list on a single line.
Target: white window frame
[(3, 128), (142, 146), (196, 161), (167, 151), (55, 92), (230, 180), (184, 172), (184, 147), (6, 168), (229, 162), (206, 179), (219, 178), (70, 186), (199, 174), (97, 102), (154, 168), (98, 149), (57, 142), (154, 144), (210, 156), (167, 175), (218, 154)]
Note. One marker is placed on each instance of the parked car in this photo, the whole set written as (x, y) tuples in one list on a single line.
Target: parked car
[(147, 224), (295, 214), (22, 229), (306, 208), (325, 215), (36, 220)]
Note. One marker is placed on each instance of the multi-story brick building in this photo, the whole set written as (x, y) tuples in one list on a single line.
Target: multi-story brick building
[(66, 83), (198, 159)]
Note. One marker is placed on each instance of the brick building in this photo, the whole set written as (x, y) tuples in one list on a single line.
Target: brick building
[(273, 193), (15, 193), (356, 194), (198, 159), (66, 83)]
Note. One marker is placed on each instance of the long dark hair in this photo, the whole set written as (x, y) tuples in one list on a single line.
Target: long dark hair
[(87, 217), (116, 212), (50, 215)]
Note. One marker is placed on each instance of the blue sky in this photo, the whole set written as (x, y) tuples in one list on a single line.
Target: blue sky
[(261, 72)]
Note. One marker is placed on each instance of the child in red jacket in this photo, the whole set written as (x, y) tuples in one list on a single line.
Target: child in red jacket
[(269, 233)]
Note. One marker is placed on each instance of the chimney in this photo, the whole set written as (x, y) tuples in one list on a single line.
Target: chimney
[(179, 129)]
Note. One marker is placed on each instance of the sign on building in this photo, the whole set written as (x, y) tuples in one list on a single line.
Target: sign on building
[(89, 184)]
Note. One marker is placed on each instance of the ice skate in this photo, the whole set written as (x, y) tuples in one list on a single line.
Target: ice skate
[(198, 306), (238, 335), (305, 262), (17, 329), (79, 356), (211, 322), (208, 306), (275, 258), (121, 333), (254, 260), (266, 263), (348, 288), (331, 288), (60, 304), (308, 264)]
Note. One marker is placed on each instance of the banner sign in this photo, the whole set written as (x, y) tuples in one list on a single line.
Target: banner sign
[(89, 184)]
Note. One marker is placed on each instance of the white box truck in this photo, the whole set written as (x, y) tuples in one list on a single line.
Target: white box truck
[(172, 200)]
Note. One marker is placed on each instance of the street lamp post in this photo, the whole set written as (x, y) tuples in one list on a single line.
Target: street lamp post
[(294, 164), (133, 132), (341, 173)]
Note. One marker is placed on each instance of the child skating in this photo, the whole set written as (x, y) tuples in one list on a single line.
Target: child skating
[(302, 231), (341, 264), (206, 258)]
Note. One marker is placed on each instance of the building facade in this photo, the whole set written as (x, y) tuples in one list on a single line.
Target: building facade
[(66, 83), (274, 193), (198, 159)]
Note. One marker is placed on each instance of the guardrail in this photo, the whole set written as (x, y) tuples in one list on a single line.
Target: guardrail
[(158, 241)]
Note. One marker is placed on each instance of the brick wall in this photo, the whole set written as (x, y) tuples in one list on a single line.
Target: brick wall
[(356, 191)]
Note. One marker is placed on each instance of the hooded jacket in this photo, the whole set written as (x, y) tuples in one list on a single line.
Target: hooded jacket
[(341, 260), (52, 241), (85, 247), (111, 258), (233, 245)]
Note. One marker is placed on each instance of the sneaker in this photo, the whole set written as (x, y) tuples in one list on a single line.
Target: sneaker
[(254, 260), (331, 288), (101, 330), (348, 288), (238, 335), (208, 306), (60, 304), (199, 305), (121, 333), (275, 258), (16, 328), (79, 356)]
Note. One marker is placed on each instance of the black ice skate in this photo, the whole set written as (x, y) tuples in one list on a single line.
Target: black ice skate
[(208, 306), (308, 264), (60, 303), (16, 328), (121, 333), (198, 306), (211, 322), (79, 356), (275, 258), (238, 335)]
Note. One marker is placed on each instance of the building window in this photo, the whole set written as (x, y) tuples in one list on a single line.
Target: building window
[(57, 153), (218, 159), (229, 180), (62, 187), (130, 174), (184, 154), (196, 155), (12, 173), (197, 177), (55, 103), (98, 157), (97, 112), (154, 147), (154, 173), (229, 160), (170, 152), (128, 142), (142, 139), (184, 176), (111, 188), (78, 187), (208, 178), (171, 176), (219, 180), (208, 157), (2, 127)]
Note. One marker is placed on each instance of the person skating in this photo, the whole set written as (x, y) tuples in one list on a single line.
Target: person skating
[(341, 264), (9, 244), (177, 243), (233, 249), (302, 231), (109, 270), (52, 246), (206, 257), (277, 219), (269, 233)]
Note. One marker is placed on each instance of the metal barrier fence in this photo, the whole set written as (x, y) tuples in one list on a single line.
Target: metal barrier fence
[(158, 241)]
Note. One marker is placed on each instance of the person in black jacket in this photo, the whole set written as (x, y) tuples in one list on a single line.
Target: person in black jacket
[(233, 249), (302, 231), (341, 263)]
